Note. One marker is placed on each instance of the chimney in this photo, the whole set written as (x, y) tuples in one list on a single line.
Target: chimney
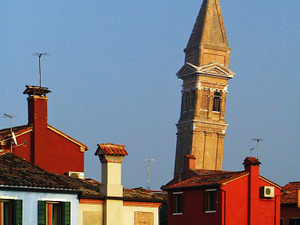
[(252, 167), (111, 157), (189, 164), (37, 104), (37, 116)]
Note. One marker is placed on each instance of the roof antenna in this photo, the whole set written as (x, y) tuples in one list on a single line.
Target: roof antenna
[(40, 67), (148, 183), (257, 141), (251, 151), (11, 132)]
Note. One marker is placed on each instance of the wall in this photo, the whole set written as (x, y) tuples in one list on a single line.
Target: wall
[(30, 203), (139, 213), (288, 212), (90, 212), (193, 209)]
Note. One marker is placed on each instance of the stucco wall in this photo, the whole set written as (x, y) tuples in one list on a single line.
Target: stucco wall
[(30, 203), (90, 213), (137, 215)]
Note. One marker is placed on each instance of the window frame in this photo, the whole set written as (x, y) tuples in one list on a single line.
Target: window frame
[(45, 212), (208, 208), (177, 203), (13, 211), (293, 220), (217, 102)]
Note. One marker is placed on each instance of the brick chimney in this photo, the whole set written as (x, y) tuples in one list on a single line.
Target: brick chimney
[(37, 116), (111, 157)]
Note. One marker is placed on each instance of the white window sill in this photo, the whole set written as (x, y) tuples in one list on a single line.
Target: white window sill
[(176, 214), (212, 211)]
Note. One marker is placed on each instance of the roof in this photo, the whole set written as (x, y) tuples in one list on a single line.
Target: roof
[(290, 195), (18, 130), (111, 149), (251, 161), (15, 172), (209, 27), (36, 90), (205, 178), (140, 194)]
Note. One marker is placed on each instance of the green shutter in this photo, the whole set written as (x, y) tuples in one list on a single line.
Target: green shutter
[(17, 212), (66, 213), (41, 213)]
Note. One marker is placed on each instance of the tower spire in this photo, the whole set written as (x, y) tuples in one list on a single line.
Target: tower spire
[(208, 35), (201, 127)]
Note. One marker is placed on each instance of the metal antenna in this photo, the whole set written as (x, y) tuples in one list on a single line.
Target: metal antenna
[(148, 185), (10, 116), (257, 141), (40, 67), (251, 151)]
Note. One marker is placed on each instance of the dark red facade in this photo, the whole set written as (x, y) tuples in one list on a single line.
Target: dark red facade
[(42, 144)]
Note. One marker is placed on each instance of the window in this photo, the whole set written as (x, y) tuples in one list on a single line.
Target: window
[(295, 221), (211, 200), (11, 212), (217, 102), (281, 221), (54, 213), (177, 203)]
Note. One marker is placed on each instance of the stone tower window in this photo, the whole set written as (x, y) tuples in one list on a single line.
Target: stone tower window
[(217, 102)]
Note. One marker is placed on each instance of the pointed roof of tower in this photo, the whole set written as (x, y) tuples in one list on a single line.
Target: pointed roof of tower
[(209, 28)]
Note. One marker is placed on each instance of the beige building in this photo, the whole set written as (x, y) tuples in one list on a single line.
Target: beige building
[(109, 203), (201, 127)]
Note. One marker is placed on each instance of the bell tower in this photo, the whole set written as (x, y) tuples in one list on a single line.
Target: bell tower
[(201, 127)]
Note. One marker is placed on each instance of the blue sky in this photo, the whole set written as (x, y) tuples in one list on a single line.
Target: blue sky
[(112, 69)]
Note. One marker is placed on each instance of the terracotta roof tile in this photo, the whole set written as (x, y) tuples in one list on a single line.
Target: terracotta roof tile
[(140, 194), (290, 195), (111, 149), (18, 173), (207, 178), (4, 133)]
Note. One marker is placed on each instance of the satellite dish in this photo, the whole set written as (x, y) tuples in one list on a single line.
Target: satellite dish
[(14, 138)]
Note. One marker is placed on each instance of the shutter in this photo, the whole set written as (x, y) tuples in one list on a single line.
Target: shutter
[(66, 213), (17, 212), (41, 213)]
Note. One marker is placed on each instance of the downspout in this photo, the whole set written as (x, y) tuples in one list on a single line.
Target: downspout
[(224, 205), (275, 214)]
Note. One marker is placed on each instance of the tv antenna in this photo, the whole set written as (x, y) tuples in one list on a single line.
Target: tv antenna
[(40, 67), (11, 132), (257, 141), (251, 151), (148, 182)]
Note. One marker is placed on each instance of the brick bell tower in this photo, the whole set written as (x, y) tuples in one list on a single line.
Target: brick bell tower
[(201, 127)]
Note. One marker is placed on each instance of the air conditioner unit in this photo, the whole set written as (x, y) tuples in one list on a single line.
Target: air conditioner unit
[(267, 192), (79, 175)]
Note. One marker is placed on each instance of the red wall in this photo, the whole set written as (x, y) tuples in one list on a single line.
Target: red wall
[(53, 152)]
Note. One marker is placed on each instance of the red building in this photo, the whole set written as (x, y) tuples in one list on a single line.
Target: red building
[(290, 204), (40, 143), (214, 197)]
